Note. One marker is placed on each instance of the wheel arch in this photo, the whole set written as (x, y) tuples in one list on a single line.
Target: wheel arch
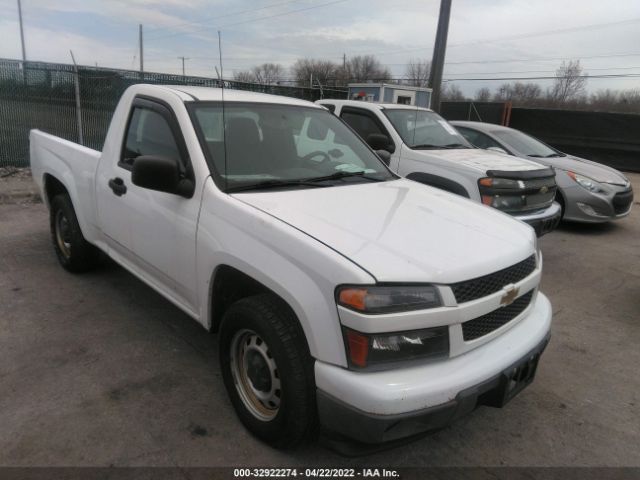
[(229, 285)]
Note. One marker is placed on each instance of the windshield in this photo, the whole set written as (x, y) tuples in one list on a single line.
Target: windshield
[(525, 144), (283, 146), (421, 129)]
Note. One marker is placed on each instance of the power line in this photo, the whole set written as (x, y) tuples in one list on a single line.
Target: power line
[(620, 75), (202, 21), (282, 14), (511, 37)]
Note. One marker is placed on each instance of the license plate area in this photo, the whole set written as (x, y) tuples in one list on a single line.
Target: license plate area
[(512, 382)]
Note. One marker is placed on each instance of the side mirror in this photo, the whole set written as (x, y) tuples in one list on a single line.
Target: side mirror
[(384, 156), (161, 174), (379, 141), (498, 150)]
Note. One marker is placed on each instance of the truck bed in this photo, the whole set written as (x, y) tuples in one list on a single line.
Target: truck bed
[(72, 164)]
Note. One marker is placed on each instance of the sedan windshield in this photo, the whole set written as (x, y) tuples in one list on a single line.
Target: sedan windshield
[(525, 144), (267, 146), (422, 129)]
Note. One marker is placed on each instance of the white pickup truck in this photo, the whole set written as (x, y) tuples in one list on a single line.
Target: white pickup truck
[(424, 147), (344, 296)]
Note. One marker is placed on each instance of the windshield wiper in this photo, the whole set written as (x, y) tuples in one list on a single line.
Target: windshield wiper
[(429, 146), (266, 184), (341, 174), (552, 155), (455, 145), (424, 146)]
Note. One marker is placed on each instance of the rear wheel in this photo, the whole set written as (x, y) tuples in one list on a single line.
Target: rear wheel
[(74, 253), (268, 371)]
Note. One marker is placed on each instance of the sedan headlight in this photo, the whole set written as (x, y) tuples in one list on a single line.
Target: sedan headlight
[(586, 182), (388, 299)]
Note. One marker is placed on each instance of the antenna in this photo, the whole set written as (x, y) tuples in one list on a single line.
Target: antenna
[(224, 122)]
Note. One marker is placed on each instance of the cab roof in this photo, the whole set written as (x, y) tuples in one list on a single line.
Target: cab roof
[(191, 94), (371, 105)]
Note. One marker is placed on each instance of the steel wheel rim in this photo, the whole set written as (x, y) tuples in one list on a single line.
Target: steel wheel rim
[(255, 375), (63, 234)]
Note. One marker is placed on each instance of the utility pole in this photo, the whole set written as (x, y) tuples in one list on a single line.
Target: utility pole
[(24, 53), (439, 49), (141, 48), (183, 59)]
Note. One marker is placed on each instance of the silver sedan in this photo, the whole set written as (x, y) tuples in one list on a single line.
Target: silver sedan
[(587, 191)]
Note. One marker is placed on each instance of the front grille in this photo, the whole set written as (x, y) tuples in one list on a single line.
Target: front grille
[(488, 284), (481, 326), (622, 201)]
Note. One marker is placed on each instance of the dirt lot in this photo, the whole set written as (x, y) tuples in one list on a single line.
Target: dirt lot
[(100, 370)]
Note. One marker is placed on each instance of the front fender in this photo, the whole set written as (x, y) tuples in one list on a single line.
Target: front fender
[(295, 266)]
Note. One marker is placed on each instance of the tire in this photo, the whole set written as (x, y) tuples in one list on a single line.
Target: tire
[(260, 337), (74, 253)]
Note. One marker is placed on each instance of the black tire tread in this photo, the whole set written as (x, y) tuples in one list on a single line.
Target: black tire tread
[(84, 256), (301, 424)]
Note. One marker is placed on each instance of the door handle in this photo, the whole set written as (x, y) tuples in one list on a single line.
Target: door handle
[(118, 186)]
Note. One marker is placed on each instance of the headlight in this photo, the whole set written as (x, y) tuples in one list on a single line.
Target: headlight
[(375, 350), (504, 202), (586, 182), (378, 299), (498, 183)]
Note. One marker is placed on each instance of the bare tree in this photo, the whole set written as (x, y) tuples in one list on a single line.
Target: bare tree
[(364, 68), (452, 93), (519, 93), (245, 76), (569, 84), (483, 95), (268, 73), (630, 100), (323, 71), (417, 72), (604, 100)]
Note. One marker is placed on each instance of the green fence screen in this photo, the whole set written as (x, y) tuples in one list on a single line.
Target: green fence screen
[(43, 96)]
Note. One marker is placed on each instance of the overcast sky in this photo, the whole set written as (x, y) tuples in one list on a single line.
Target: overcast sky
[(487, 38)]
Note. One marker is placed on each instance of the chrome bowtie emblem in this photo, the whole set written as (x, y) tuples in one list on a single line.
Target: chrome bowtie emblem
[(511, 293)]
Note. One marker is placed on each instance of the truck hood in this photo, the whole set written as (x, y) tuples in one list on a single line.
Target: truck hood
[(597, 171), (480, 160), (401, 231)]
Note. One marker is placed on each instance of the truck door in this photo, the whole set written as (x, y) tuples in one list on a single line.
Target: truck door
[(364, 123), (152, 232)]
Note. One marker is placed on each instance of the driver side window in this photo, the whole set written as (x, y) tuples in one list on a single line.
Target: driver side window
[(148, 134)]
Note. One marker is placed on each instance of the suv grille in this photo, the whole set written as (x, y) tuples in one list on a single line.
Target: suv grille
[(622, 201), (481, 326), (488, 284)]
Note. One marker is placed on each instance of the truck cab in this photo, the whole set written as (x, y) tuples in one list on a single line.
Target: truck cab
[(424, 147)]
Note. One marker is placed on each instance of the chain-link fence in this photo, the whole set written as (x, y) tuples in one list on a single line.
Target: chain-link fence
[(43, 96)]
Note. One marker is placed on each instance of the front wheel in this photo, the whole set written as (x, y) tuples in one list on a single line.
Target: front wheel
[(268, 371)]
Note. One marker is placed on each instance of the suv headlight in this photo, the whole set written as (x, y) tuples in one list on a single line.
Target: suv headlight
[(586, 182), (388, 299)]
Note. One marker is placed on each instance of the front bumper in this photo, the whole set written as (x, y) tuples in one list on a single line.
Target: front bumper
[(584, 206), (383, 406), (543, 221)]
